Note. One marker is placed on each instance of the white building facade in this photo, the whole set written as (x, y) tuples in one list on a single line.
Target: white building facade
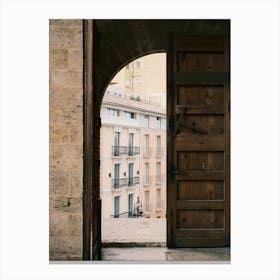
[(133, 157)]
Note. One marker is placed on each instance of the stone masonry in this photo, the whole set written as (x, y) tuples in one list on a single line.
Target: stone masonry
[(66, 139)]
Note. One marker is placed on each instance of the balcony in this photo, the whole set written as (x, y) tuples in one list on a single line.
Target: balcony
[(119, 150), (124, 150), (133, 151), (133, 181), (117, 183), (159, 152)]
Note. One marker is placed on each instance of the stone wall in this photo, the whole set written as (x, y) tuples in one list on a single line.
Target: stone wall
[(66, 139)]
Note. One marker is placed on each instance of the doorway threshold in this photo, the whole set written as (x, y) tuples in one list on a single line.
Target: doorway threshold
[(163, 254), (132, 244)]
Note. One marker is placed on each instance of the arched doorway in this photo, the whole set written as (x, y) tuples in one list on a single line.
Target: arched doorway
[(198, 114), (133, 155)]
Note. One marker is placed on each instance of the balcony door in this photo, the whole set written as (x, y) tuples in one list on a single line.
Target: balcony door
[(130, 143), (116, 175), (130, 174), (117, 143)]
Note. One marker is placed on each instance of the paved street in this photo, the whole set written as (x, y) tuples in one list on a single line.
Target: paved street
[(165, 254), (134, 230), (144, 239)]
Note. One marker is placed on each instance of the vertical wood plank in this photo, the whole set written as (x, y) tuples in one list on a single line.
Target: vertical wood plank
[(88, 139)]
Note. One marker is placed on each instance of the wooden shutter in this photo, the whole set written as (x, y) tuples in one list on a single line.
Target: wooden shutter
[(198, 142)]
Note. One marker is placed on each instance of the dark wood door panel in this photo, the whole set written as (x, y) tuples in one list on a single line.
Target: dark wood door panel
[(200, 219), (201, 161), (199, 142), (200, 95), (200, 190), (198, 186), (200, 61)]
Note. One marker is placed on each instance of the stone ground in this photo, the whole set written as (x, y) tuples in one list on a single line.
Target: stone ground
[(151, 254), (125, 230), (144, 239)]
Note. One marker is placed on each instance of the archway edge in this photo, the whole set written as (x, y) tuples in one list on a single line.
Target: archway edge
[(124, 64), (121, 41)]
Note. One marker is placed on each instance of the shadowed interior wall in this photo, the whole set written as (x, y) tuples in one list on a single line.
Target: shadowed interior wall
[(66, 139)]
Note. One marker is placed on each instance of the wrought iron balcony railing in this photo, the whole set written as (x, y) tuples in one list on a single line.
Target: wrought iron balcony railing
[(122, 150), (119, 150), (133, 150), (132, 181), (116, 183)]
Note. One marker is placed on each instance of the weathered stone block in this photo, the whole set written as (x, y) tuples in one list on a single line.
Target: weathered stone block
[(61, 160), (66, 204), (65, 37), (65, 22), (59, 182), (76, 134), (76, 183), (59, 223), (75, 225), (66, 247), (66, 96), (64, 78), (59, 58), (59, 134), (75, 58), (66, 114)]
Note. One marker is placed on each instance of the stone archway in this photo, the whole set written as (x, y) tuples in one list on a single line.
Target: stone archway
[(108, 46)]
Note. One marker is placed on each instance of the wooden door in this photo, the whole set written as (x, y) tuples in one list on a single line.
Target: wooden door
[(198, 206)]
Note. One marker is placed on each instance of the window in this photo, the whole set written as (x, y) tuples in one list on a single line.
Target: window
[(116, 175), (127, 83), (138, 64), (130, 174), (117, 143), (158, 148), (129, 115), (130, 205), (146, 121), (158, 199), (146, 144), (146, 201), (158, 172), (137, 82), (116, 206), (146, 174), (130, 144), (112, 112), (158, 125)]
